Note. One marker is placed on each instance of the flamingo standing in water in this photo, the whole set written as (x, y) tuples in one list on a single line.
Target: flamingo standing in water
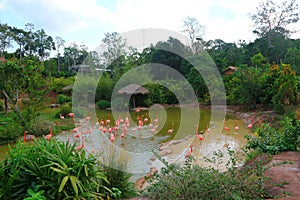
[(190, 151), (226, 128), (199, 136), (251, 124), (207, 128), (80, 146), (236, 126), (170, 131), (112, 137)]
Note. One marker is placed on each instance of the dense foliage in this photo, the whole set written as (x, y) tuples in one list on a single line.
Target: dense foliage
[(55, 167), (194, 182), (274, 140)]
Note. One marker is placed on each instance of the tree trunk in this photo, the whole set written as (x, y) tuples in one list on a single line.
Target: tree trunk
[(15, 107)]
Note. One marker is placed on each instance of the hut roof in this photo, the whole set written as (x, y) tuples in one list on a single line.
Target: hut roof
[(230, 70), (133, 89)]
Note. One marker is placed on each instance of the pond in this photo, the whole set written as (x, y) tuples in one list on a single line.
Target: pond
[(138, 145)]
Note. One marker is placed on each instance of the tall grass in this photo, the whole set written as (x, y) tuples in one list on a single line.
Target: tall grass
[(115, 166)]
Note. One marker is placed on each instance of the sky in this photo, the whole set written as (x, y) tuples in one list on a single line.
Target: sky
[(86, 21)]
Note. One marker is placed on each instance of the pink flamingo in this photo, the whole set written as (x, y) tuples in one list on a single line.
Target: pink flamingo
[(108, 119), (112, 137), (104, 129), (89, 117), (72, 116), (155, 121), (190, 151), (207, 128), (170, 131), (69, 141), (75, 130), (251, 124), (226, 128), (236, 126), (199, 136), (25, 136), (80, 146), (138, 110), (61, 116), (48, 137), (78, 135), (146, 118), (123, 134)]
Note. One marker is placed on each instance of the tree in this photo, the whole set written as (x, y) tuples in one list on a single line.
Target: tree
[(272, 17), (43, 44), (59, 43), (257, 60), (20, 37), (20, 77), (115, 47), (195, 32), (5, 38), (29, 46)]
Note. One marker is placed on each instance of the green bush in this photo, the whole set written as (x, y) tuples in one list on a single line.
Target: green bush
[(102, 104), (64, 110), (1, 106), (56, 167), (193, 182), (61, 99), (40, 126), (59, 83), (272, 140)]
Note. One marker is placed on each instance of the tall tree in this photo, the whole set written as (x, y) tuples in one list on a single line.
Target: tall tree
[(59, 43), (195, 32), (43, 44), (20, 37), (29, 46), (6, 38), (273, 17), (115, 47)]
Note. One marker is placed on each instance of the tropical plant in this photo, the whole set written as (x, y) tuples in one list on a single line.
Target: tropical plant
[(271, 140), (55, 167)]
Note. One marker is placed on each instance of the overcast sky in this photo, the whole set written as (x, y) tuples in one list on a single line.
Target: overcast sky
[(86, 21)]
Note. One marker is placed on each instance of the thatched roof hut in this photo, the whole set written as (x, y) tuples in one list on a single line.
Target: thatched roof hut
[(133, 89), (230, 70)]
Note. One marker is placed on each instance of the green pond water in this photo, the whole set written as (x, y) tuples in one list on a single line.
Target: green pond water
[(137, 146)]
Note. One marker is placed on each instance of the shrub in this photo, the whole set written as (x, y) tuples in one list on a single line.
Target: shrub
[(40, 126), (58, 83), (60, 171), (61, 99), (1, 106), (102, 104), (64, 110), (271, 140), (193, 182)]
